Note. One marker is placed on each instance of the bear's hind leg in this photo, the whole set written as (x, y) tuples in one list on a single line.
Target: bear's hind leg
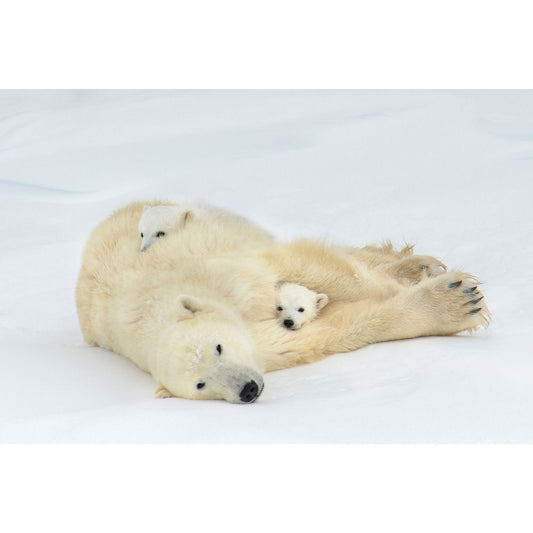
[(414, 269)]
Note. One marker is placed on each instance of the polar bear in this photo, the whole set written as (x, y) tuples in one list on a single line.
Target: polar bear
[(189, 221), (156, 221), (296, 305), (199, 318)]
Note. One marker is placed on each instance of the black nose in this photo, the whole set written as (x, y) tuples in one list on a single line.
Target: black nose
[(288, 323), (249, 392)]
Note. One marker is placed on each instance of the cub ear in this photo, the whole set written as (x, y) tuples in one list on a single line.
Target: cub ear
[(146, 207), (321, 301), (188, 306)]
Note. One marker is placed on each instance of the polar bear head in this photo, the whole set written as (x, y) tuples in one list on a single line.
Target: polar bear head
[(157, 221), (297, 305), (207, 354)]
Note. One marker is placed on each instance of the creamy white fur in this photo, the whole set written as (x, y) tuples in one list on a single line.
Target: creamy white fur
[(215, 282), (162, 221)]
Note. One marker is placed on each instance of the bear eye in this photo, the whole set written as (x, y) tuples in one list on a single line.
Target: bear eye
[(219, 349), (279, 308), (301, 310), (200, 385), (142, 235), (160, 234)]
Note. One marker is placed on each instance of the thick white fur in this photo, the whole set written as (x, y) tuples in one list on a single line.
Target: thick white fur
[(168, 308), (187, 220), (297, 305)]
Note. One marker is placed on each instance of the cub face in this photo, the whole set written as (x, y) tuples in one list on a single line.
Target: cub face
[(158, 221), (207, 355), (297, 305)]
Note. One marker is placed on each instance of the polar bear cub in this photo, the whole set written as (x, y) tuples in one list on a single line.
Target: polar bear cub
[(216, 230), (158, 220), (297, 305)]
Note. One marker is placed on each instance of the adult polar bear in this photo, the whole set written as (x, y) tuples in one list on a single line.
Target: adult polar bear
[(196, 310)]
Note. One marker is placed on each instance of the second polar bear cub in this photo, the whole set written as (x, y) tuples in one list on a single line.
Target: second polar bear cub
[(157, 221), (219, 230), (298, 305)]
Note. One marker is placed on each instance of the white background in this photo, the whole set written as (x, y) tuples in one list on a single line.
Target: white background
[(382, 44)]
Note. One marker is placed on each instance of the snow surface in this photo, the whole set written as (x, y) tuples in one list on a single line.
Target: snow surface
[(449, 171)]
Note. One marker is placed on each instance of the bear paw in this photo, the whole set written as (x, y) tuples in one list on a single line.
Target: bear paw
[(161, 392), (414, 269), (456, 302)]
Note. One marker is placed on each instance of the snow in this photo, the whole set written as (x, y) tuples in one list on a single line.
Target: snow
[(447, 170)]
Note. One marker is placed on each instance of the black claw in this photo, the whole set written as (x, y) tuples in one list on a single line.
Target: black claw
[(472, 289), (454, 285), (474, 311), (473, 302)]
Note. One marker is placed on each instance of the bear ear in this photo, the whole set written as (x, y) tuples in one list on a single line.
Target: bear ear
[(187, 217), (146, 207), (188, 306), (321, 301)]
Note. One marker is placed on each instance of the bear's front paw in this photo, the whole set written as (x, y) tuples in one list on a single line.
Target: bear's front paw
[(457, 302)]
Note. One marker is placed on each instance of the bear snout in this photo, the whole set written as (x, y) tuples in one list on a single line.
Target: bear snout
[(250, 392), (288, 323)]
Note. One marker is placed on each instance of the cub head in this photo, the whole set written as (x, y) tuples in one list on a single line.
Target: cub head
[(297, 305), (158, 221), (207, 354)]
